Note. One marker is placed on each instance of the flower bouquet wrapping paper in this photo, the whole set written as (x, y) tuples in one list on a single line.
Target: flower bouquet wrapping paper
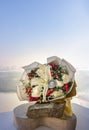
[(50, 82)]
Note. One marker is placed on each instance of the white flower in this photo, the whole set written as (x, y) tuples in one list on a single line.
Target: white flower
[(45, 77), (65, 78), (57, 93), (36, 91), (59, 83), (36, 81), (44, 72)]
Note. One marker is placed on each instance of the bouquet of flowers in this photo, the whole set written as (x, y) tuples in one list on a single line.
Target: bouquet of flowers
[(46, 82)]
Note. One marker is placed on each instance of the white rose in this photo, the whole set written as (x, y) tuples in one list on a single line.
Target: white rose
[(36, 91), (44, 72), (65, 78), (59, 83), (57, 93), (36, 81)]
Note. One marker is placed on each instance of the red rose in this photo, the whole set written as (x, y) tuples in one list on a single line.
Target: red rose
[(52, 74), (28, 90), (29, 75), (56, 75), (50, 91), (52, 64), (66, 87), (33, 98)]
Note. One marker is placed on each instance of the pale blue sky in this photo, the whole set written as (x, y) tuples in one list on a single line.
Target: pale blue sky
[(35, 29)]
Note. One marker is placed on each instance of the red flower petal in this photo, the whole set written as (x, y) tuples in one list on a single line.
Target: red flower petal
[(33, 98), (66, 87), (52, 74), (50, 92), (56, 75), (29, 75), (28, 90), (52, 64)]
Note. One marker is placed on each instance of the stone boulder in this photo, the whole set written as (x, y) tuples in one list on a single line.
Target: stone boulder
[(52, 109)]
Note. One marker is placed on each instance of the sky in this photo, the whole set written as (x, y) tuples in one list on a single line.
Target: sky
[(32, 30)]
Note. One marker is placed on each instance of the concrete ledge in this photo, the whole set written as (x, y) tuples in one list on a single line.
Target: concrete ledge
[(22, 122)]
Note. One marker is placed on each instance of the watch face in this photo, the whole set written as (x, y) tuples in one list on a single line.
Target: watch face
[(52, 84)]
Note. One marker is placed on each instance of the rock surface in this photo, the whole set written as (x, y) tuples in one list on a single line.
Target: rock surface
[(22, 122), (52, 109)]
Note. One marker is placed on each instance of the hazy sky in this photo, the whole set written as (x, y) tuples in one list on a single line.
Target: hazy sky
[(35, 29)]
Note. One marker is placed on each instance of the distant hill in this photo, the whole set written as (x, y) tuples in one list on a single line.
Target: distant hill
[(10, 68)]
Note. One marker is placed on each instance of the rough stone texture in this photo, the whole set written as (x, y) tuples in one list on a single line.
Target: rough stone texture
[(46, 110), (22, 122)]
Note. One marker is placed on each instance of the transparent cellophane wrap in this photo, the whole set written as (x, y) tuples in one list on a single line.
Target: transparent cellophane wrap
[(43, 86)]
